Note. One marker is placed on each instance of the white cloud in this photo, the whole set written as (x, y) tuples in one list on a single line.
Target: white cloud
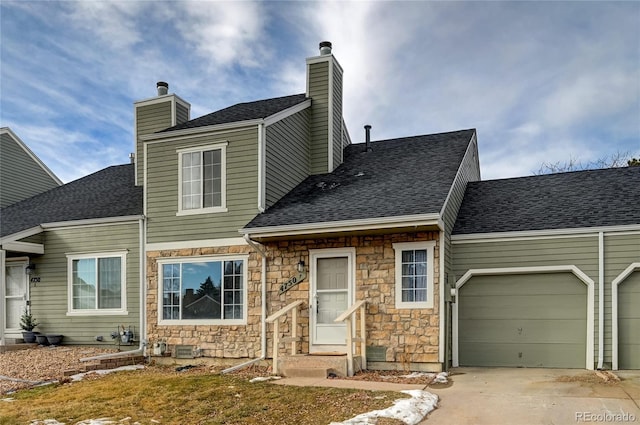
[(553, 80), (113, 22), (66, 153), (223, 33)]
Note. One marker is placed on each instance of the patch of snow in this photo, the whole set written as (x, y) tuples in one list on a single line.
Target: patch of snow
[(408, 410), (80, 376), (263, 378), (9, 399), (441, 378)]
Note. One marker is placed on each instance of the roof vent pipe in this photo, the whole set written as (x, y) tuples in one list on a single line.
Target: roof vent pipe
[(163, 88), (367, 139), (325, 48)]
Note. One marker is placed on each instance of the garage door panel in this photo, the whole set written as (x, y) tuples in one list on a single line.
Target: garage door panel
[(533, 331), (524, 306), (522, 355), (537, 320), (629, 322), (536, 284)]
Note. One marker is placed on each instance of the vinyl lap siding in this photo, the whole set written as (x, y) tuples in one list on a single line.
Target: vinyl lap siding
[(287, 155), (162, 189), (20, 176), (620, 251), (319, 93), (149, 119), (39, 239), (337, 117), (182, 113), (469, 171), (50, 296)]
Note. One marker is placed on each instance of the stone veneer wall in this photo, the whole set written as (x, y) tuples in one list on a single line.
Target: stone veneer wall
[(226, 341), (409, 335)]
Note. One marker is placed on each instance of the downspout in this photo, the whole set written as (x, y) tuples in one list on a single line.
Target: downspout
[(143, 305), (3, 271), (263, 318), (600, 300)]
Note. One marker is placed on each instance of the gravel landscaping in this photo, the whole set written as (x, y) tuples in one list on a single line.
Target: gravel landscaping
[(24, 368)]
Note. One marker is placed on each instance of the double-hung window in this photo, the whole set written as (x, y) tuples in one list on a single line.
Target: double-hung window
[(97, 284), (414, 274), (202, 179), (203, 291)]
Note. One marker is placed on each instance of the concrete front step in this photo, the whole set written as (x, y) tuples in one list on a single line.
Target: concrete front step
[(312, 366)]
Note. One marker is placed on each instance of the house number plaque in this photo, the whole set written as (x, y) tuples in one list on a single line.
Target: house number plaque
[(292, 282)]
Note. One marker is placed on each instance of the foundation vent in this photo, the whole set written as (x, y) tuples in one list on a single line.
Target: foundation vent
[(183, 352)]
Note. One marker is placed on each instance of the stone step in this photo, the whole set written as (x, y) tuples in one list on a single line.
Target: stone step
[(316, 372), (312, 366)]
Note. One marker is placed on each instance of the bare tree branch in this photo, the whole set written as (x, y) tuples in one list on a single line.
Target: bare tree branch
[(615, 160)]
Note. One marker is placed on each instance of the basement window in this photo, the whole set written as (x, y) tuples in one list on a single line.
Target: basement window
[(414, 274)]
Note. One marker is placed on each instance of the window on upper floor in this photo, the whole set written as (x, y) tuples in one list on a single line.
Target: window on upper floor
[(414, 274), (203, 291), (202, 181), (97, 284)]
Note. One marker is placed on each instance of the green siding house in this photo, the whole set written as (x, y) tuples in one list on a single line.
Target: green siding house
[(22, 174), (541, 264), (72, 255), (259, 232)]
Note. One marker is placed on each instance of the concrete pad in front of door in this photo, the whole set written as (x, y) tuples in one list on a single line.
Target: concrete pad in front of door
[(479, 396)]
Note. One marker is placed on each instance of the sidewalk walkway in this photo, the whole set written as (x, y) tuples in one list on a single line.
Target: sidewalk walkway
[(348, 383), (494, 396)]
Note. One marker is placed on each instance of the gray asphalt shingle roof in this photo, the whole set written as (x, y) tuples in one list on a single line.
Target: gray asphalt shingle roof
[(110, 192), (397, 177), (593, 198), (243, 112)]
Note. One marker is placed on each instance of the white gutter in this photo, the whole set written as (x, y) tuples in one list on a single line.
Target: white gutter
[(600, 300), (263, 315), (90, 222), (567, 232), (346, 225), (143, 309), (21, 234)]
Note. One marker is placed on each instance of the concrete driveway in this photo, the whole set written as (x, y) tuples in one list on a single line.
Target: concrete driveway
[(493, 396)]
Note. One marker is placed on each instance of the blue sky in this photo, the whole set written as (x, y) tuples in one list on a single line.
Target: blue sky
[(540, 81)]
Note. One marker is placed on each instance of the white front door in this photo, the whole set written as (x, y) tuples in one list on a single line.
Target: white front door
[(15, 298), (332, 281)]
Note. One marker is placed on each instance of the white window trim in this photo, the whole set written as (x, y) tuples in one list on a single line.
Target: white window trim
[(220, 322), (429, 246), (122, 311), (222, 146)]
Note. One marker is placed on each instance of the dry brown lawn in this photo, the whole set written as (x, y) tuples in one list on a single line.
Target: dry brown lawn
[(162, 395)]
